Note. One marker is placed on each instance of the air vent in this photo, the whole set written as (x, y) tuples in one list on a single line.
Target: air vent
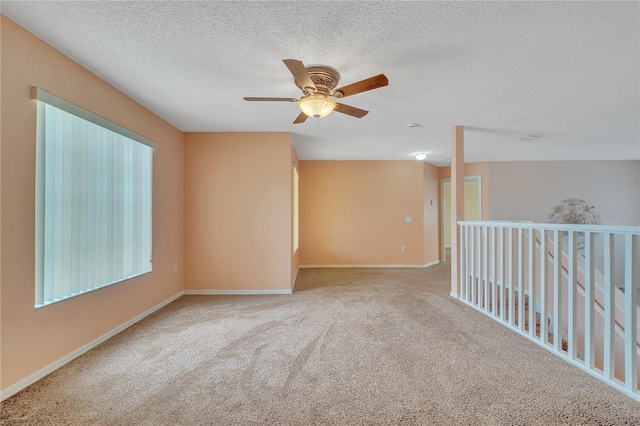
[(528, 139)]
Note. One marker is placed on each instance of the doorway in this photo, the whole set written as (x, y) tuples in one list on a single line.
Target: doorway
[(472, 208)]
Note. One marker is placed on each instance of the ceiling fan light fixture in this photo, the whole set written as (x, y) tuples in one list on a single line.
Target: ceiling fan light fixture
[(317, 106)]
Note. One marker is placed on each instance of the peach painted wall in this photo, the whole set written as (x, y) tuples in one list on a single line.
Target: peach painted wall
[(238, 190), (295, 257), (431, 215), (33, 339), (353, 213)]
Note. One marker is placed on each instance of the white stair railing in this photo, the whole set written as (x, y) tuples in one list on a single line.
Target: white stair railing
[(520, 274)]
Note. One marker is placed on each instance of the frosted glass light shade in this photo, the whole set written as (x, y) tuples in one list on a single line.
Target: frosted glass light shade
[(421, 156), (316, 106)]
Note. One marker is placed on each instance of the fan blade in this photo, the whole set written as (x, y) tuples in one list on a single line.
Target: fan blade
[(300, 119), (352, 111), (299, 72), (271, 99), (364, 85)]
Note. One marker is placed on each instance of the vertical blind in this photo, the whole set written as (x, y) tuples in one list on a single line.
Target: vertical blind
[(93, 206)]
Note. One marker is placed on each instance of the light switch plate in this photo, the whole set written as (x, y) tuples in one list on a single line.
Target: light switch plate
[(408, 219)]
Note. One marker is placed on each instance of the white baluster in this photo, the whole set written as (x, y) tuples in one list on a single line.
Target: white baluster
[(609, 307), (494, 275), (511, 283), (532, 284), (544, 314), (479, 267), (466, 262), (630, 314), (589, 344), (502, 276), (572, 252), (557, 290), (485, 268), (462, 260), (473, 264), (520, 280)]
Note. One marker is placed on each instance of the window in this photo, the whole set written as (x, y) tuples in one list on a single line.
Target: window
[(296, 178), (93, 201)]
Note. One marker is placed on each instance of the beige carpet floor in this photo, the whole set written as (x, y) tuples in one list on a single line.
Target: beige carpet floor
[(349, 347)]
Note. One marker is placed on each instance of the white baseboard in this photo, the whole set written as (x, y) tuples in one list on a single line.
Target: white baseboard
[(235, 292), (17, 387), (435, 262), (454, 295)]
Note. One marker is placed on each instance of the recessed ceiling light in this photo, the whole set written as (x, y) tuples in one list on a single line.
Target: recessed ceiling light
[(421, 156)]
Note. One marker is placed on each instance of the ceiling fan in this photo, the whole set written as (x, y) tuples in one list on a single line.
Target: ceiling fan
[(318, 87)]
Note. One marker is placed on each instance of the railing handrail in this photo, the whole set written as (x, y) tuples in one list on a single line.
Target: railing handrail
[(619, 328), (618, 229), (486, 257)]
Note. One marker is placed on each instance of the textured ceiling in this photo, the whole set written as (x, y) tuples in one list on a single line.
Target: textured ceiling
[(565, 72)]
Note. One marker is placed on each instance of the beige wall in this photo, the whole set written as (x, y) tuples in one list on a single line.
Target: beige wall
[(528, 190), (353, 213), (33, 339), (431, 215), (238, 190)]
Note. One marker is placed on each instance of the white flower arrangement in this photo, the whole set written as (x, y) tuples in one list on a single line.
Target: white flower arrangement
[(575, 211)]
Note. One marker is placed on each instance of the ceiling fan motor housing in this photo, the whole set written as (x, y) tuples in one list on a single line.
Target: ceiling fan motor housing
[(325, 79)]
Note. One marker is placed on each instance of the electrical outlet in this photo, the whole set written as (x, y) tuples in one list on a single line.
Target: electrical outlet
[(408, 219), (175, 269), (403, 248)]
